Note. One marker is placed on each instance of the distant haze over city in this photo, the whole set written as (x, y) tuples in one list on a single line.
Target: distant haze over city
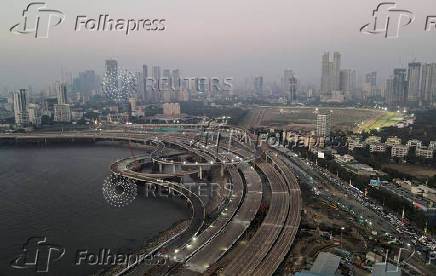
[(224, 38)]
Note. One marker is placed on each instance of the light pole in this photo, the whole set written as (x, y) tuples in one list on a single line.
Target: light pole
[(342, 229)]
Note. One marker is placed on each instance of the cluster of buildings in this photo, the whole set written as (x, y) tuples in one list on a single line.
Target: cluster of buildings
[(395, 144), (288, 88), (29, 114), (336, 84), (64, 101), (410, 87)]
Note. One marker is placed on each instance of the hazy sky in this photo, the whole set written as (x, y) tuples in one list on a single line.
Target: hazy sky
[(238, 38)]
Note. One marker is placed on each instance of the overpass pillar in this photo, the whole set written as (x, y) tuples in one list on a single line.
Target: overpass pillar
[(174, 168), (200, 172), (160, 167), (222, 170)]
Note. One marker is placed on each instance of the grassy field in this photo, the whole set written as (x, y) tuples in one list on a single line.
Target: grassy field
[(347, 119), (383, 119)]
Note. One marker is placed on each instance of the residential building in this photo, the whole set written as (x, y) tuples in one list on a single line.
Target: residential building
[(110, 83), (399, 151), (373, 139), (377, 147), (258, 85), (355, 144), (20, 108), (62, 113), (414, 78), (428, 84), (399, 88), (34, 115), (391, 141), (61, 93), (290, 86), (414, 143), (424, 152), (330, 75), (323, 124)]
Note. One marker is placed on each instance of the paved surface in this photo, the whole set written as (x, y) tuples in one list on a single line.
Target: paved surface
[(214, 250), (263, 239), (283, 244)]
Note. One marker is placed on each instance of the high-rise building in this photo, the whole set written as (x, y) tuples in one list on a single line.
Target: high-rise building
[(110, 85), (175, 75), (62, 113), (290, 86), (147, 96), (166, 84), (20, 108), (323, 124), (258, 85), (389, 92), (428, 84), (346, 82), (177, 83), (85, 83), (34, 114), (61, 93), (371, 78), (399, 88), (139, 84), (330, 75), (156, 82), (414, 78)]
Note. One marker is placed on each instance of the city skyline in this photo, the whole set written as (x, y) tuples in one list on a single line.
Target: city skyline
[(294, 41)]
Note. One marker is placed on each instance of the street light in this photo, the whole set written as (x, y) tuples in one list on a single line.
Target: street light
[(342, 229)]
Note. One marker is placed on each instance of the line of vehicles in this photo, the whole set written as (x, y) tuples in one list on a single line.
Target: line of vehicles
[(403, 233)]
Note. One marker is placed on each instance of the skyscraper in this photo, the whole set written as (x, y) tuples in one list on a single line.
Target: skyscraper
[(428, 84), (166, 79), (147, 97), (323, 124), (414, 78), (20, 108), (371, 78), (155, 86), (389, 92), (346, 82), (330, 71), (290, 86), (258, 85), (176, 83), (110, 85), (85, 83), (61, 93), (156, 73), (34, 113), (399, 88)]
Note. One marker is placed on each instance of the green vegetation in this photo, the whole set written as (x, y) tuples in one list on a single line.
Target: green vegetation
[(388, 119), (343, 118)]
